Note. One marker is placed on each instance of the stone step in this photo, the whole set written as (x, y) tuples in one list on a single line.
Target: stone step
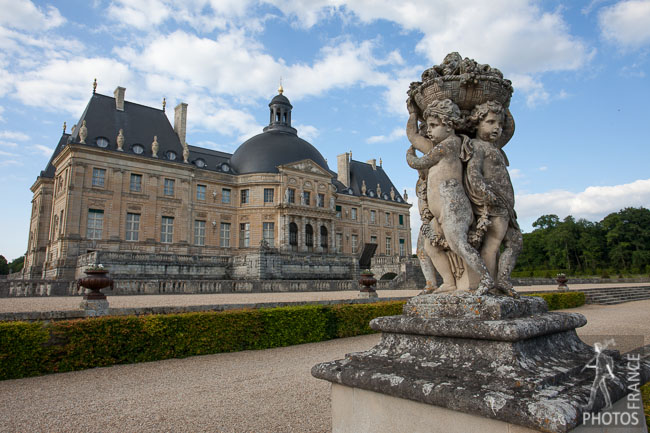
[(616, 295)]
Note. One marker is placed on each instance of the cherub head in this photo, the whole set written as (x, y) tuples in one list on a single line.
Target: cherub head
[(441, 119), (488, 120)]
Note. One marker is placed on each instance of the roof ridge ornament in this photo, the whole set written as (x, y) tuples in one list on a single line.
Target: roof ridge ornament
[(164, 103), (280, 89), (64, 126), (94, 86)]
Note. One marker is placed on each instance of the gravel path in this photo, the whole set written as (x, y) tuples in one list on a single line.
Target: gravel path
[(253, 391), (16, 305)]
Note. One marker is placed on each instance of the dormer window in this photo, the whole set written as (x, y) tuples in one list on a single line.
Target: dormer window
[(171, 155), (138, 149), (101, 142), (199, 163), (225, 167)]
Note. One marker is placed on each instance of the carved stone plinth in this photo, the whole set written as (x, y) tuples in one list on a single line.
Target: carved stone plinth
[(94, 307), (496, 357)]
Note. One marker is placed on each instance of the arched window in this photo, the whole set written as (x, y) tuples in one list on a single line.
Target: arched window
[(309, 235), (293, 234), (323, 236)]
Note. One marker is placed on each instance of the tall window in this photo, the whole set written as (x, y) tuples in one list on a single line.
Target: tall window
[(387, 218), (167, 230), (268, 232), (321, 200), (338, 211), (224, 236), (309, 235), (136, 182), (200, 192), (373, 217), (293, 234), (354, 240), (199, 232), (402, 248), (373, 239), (389, 246), (401, 220), (132, 226), (306, 197), (244, 235), (244, 196), (99, 177), (353, 213), (339, 242), (323, 236), (169, 187), (292, 195), (95, 223), (225, 195), (268, 195)]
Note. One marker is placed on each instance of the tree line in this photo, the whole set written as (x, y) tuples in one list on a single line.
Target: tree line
[(11, 267), (619, 244)]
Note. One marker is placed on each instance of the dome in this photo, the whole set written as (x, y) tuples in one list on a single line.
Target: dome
[(264, 152), (279, 144)]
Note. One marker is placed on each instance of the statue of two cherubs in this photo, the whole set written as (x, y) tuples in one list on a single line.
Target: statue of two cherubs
[(466, 198)]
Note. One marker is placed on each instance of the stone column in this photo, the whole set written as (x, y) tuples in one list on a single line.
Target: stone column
[(301, 234), (317, 238)]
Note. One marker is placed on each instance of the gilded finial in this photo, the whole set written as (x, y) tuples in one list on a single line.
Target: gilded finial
[(280, 89), (94, 86), (64, 127), (164, 103), (380, 162)]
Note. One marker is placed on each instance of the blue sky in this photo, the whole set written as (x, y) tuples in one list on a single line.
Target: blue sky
[(579, 69)]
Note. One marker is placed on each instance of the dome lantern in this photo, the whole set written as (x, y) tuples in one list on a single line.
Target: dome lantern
[(280, 114)]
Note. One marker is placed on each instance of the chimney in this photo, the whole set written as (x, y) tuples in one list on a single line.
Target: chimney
[(372, 162), (180, 121), (119, 98), (343, 168)]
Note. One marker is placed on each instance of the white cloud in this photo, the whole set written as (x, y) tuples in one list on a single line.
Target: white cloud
[(14, 135), (44, 150), (395, 134), (518, 37), (594, 202), (515, 173), (626, 23), (141, 14), (307, 132), (2, 109), (24, 15), (9, 154), (66, 85), (543, 168)]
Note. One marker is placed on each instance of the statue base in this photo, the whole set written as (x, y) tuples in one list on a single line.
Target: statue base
[(494, 357), (94, 307)]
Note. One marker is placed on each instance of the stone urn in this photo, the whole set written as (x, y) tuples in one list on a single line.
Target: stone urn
[(367, 283), (561, 280), (95, 280)]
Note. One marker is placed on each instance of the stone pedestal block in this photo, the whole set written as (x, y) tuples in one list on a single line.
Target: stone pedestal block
[(495, 357), (94, 307)]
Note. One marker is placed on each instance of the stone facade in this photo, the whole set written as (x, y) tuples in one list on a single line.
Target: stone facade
[(113, 194)]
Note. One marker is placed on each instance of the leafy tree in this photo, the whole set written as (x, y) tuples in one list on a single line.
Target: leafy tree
[(17, 264), (4, 267)]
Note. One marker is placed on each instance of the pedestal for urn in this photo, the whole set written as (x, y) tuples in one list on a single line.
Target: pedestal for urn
[(489, 356), (94, 301)]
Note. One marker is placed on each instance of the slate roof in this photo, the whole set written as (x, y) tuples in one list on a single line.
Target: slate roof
[(264, 152), (361, 171), (260, 154), (49, 168)]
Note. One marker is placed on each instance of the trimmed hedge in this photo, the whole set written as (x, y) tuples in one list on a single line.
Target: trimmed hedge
[(30, 349), (561, 300)]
